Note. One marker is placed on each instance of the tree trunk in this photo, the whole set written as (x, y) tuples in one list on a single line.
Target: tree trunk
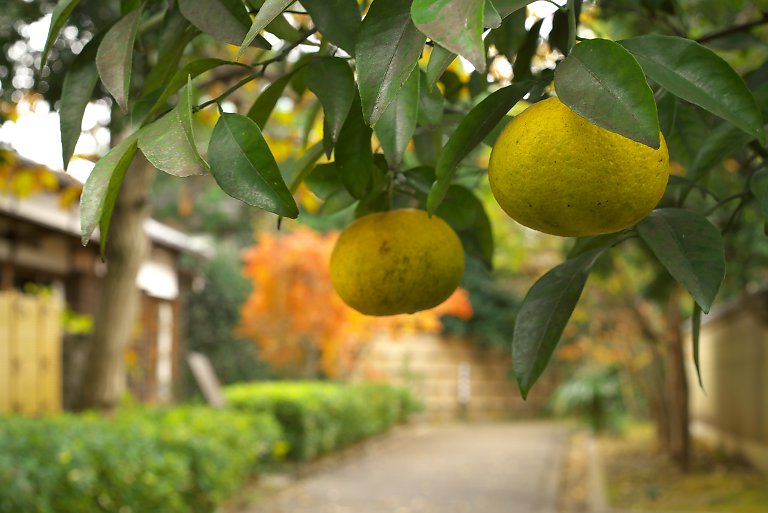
[(127, 246), (677, 383)]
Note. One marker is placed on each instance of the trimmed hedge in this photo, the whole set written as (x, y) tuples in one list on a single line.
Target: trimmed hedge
[(183, 459), (180, 460), (318, 417)]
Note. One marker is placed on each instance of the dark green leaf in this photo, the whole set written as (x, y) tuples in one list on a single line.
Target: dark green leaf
[(466, 215), (169, 143), (191, 69), (336, 202), (354, 154), (507, 7), (689, 247), (387, 49), (332, 81), (270, 10), (521, 69), (543, 315), (559, 35), (698, 75), (76, 92), (176, 35), (304, 165), (114, 58), (696, 331), (471, 131), (439, 60), (491, 17), (720, 142), (105, 180), (243, 166), (667, 109), (457, 25), (494, 134), (267, 99), (602, 82), (397, 123), (585, 244), (510, 35), (758, 184), (431, 103), (59, 17), (225, 20), (337, 20), (324, 180)]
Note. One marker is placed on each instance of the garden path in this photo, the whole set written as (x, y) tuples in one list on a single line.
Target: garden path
[(454, 468)]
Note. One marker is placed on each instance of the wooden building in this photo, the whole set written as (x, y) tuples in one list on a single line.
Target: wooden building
[(40, 245)]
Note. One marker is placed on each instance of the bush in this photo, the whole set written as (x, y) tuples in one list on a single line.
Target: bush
[(179, 460), (318, 417)]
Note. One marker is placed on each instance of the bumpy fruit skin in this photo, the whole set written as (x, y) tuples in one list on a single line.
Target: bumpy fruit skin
[(395, 262), (556, 172)]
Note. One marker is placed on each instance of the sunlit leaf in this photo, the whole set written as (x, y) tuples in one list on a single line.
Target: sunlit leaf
[(439, 60), (387, 49), (456, 25), (114, 58), (270, 10), (225, 20)]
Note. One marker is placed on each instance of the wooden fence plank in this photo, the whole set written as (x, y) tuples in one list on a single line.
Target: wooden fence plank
[(5, 350), (49, 354), (24, 368)]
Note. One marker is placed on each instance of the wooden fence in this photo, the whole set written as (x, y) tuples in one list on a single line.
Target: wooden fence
[(30, 353)]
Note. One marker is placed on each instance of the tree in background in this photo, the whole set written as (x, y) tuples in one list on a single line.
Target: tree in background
[(299, 323)]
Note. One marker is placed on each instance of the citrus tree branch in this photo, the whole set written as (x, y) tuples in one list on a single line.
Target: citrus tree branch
[(735, 29)]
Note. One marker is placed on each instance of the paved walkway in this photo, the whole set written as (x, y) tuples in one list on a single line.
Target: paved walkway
[(458, 468)]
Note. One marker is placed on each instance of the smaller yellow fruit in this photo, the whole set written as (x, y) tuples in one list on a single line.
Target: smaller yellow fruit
[(395, 262)]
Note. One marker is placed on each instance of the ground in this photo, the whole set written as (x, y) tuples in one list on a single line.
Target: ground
[(455, 468)]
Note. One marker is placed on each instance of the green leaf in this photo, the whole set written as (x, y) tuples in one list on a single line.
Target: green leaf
[(354, 154), (265, 103), (176, 35), (337, 20), (304, 165), (491, 17), (456, 25), (387, 49), (667, 109), (601, 82), (521, 69), (332, 81), (102, 186), (507, 7), (397, 123), (585, 244), (473, 128), (270, 10), (543, 315), (76, 91), (494, 134), (719, 143), (114, 57), (225, 20), (324, 180), (191, 69), (758, 184), (431, 103), (689, 247), (169, 143), (510, 35), (698, 75), (466, 214), (439, 60), (59, 17), (243, 166), (696, 331)]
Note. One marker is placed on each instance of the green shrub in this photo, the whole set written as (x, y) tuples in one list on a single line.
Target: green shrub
[(178, 460), (318, 417)]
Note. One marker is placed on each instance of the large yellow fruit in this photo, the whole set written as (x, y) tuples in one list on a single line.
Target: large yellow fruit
[(401, 261), (556, 172)]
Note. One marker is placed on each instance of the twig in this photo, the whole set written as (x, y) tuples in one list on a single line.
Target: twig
[(285, 51), (744, 27)]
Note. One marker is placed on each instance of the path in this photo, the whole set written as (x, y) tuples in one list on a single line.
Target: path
[(459, 468)]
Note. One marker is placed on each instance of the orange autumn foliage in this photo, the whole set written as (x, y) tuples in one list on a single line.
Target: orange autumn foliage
[(299, 323)]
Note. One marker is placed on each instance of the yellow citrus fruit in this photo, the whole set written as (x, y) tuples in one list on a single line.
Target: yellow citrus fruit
[(395, 262), (556, 172)]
